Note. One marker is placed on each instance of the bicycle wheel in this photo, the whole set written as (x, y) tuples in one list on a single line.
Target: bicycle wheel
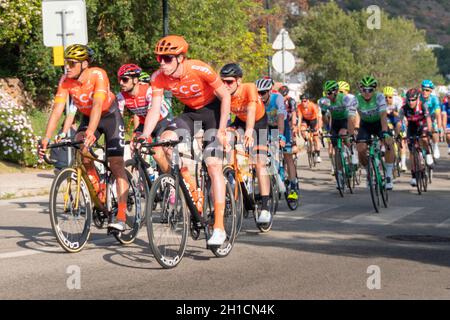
[(230, 174), (373, 185), (418, 161), (168, 222), (70, 219), (381, 171), (229, 220), (348, 172), (292, 203), (141, 184), (430, 174), (134, 214), (339, 173)]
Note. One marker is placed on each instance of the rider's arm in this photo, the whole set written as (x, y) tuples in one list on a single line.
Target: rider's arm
[(57, 111), (382, 109), (135, 121), (225, 100), (351, 103), (251, 116), (68, 122), (152, 117), (281, 112)]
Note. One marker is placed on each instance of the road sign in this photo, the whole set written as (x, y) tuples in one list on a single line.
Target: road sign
[(289, 62), (64, 22), (283, 37), (58, 56)]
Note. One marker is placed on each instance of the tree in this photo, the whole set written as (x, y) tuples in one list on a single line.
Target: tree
[(220, 32), (339, 45)]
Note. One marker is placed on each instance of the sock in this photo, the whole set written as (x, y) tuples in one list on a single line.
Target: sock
[(219, 209), (389, 169), (121, 213), (265, 201), (403, 159), (293, 184)]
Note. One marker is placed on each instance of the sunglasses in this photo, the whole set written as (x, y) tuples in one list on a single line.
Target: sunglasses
[(329, 93), (263, 93), (426, 90), (124, 79), (72, 63), (229, 82), (412, 100), (166, 58), (387, 97), (367, 90)]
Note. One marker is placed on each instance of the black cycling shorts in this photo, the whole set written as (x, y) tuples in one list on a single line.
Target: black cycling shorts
[(191, 121), (159, 129), (338, 125), (366, 129), (113, 127), (260, 134)]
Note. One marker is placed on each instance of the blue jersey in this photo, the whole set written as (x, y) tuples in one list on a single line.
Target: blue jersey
[(274, 108), (445, 108), (432, 103)]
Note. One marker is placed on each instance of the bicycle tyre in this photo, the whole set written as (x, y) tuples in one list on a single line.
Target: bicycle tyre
[(230, 174), (167, 220), (70, 245), (340, 184), (273, 206), (373, 186), (133, 222), (141, 184)]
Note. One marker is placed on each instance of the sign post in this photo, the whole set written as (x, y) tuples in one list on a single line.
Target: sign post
[(283, 61), (64, 23)]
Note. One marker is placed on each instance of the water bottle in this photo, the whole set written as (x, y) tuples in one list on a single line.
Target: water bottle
[(151, 174)]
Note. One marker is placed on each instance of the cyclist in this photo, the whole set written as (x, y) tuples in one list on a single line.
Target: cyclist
[(276, 115), (431, 101), (289, 125), (418, 117), (393, 106), (144, 77), (250, 116), (206, 100), (344, 88), (309, 116), (136, 97), (90, 92), (371, 106), (445, 119), (335, 106)]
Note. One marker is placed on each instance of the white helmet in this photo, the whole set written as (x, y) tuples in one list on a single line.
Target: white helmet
[(264, 84)]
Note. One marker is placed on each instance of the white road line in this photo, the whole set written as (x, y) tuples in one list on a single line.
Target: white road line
[(445, 224), (30, 252), (306, 211), (385, 217)]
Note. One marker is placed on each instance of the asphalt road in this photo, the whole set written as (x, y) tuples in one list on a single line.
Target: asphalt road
[(330, 248)]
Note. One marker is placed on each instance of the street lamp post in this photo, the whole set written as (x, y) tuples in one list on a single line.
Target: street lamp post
[(165, 5)]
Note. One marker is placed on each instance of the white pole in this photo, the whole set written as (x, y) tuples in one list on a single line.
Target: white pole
[(64, 42), (282, 58)]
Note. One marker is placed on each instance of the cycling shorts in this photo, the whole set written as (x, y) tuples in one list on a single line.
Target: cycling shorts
[(159, 129), (260, 133), (113, 127), (366, 129)]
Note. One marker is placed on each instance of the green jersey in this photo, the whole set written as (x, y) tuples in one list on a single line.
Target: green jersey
[(338, 109), (369, 111)]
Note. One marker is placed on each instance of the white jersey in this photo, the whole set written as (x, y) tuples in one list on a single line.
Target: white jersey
[(397, 104)]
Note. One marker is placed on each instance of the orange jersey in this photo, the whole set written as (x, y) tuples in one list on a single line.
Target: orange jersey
[(246, 95), (310, 111), (92, 83), (194, 89)]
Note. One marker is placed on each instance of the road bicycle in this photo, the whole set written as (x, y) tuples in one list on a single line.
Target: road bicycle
[(172, 213), (75, 203)]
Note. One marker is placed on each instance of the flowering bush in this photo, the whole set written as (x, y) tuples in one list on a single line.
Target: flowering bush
[(17, 141)]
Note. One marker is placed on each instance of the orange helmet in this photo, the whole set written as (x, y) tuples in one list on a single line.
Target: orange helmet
[(173, 45)]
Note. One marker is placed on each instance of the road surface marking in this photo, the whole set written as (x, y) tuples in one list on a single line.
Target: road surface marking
[(306, 211), (385, 217)]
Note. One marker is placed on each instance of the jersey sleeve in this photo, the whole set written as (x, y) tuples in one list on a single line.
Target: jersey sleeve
[(206, 73), (381, 103), (157, 84), (62, 93), (101, 86), (281, 107), (351, 103)]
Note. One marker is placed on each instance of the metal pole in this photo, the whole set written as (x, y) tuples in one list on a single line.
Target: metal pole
[(165, 5), (269, 36), (64, 42), (282, 56)]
